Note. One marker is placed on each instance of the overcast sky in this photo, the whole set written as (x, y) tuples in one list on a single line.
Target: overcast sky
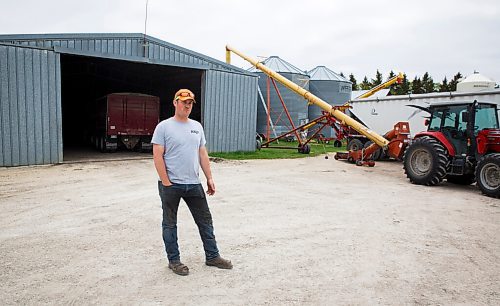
[(441, 37)]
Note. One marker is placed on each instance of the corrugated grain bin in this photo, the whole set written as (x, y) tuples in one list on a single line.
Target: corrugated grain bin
[(329, 86), (296, 105)]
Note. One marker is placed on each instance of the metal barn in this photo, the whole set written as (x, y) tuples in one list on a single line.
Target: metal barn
[(48, 80)]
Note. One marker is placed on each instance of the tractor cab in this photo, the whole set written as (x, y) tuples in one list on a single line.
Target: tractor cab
[(461, 124)]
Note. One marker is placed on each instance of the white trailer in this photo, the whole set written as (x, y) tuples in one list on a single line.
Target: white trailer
[(381, 113)]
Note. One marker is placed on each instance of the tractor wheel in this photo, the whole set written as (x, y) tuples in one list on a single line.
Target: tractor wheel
[(425, 161), (488, 175), (354, 145), (337, 143), (466, 179), (376, 154)]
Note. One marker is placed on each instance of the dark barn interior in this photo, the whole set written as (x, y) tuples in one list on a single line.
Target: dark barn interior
[(85, 79)]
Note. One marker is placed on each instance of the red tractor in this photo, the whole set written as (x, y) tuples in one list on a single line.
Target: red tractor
[(461, 145)]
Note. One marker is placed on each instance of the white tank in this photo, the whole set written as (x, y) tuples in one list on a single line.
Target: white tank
[(475, 82)]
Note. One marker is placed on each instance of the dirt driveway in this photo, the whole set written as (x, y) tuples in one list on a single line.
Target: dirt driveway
[(307, 231)]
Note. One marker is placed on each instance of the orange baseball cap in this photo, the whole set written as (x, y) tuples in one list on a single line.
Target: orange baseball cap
[(184, 94)]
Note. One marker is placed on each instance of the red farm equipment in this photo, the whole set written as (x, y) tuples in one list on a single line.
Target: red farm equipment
[(471, 149), (461, 145), (124, 120)]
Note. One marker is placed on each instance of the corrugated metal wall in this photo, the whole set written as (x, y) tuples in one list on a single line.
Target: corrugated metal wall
[(30, 106), (230, 111), (31, 91)]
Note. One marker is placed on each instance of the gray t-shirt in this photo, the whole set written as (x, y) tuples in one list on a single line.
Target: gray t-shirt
[(182, 142)]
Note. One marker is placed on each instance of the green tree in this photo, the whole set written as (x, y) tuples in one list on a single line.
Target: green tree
[(393, 88), (444, 86), (427, 83), (354, 82), (416, 86), (365, 85), (391, 75), (454, 82), (377, 80), (404, 87)]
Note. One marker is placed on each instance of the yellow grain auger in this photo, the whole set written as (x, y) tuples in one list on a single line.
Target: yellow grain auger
[(399, 135)]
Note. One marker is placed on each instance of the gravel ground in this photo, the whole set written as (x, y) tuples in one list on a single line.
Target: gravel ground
[(306, 231)]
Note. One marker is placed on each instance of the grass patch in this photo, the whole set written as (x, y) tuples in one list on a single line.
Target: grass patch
[(267, 153)]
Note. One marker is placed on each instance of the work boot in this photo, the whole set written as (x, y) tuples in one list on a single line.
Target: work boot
[(179, 268), (220, 263)]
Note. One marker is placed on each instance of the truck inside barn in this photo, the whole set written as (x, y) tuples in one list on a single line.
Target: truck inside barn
[(86, 79)]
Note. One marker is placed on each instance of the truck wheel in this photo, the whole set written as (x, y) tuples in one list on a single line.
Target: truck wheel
[(425, 161), (98, 143), (102, 144), (354, 145), (376, 154), (465, 179), (488, 175)]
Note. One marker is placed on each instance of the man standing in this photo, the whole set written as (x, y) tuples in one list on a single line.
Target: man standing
[(178, 152)]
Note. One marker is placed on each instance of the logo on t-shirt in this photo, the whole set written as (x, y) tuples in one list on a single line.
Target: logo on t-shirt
[(195, 132)]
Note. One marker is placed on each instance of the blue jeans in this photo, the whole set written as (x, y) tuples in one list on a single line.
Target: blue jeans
[(194, 196)]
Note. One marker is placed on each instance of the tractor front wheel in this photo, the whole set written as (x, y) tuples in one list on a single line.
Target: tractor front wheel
[(488, 175), (354, 144), (425, 161)]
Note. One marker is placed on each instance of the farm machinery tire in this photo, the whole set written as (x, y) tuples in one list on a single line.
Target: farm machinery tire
[(488, 175), (425, 161)]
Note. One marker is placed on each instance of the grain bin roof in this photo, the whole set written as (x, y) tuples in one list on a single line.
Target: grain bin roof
[(477, 77), (322, 73), (279, 65)]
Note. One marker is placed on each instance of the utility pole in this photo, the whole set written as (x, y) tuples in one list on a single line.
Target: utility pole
[(144, 43)]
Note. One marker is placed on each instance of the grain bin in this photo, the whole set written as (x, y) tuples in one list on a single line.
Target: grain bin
[(329, 86), (296, 105), (475, 82)]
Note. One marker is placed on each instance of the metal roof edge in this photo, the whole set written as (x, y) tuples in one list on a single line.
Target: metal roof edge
[(343, 81), (458, 102), (304, 72), (193, 53), (451, 94), (69, 36), (121, 35), (26, 47), (138, 59), (252, 74)]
